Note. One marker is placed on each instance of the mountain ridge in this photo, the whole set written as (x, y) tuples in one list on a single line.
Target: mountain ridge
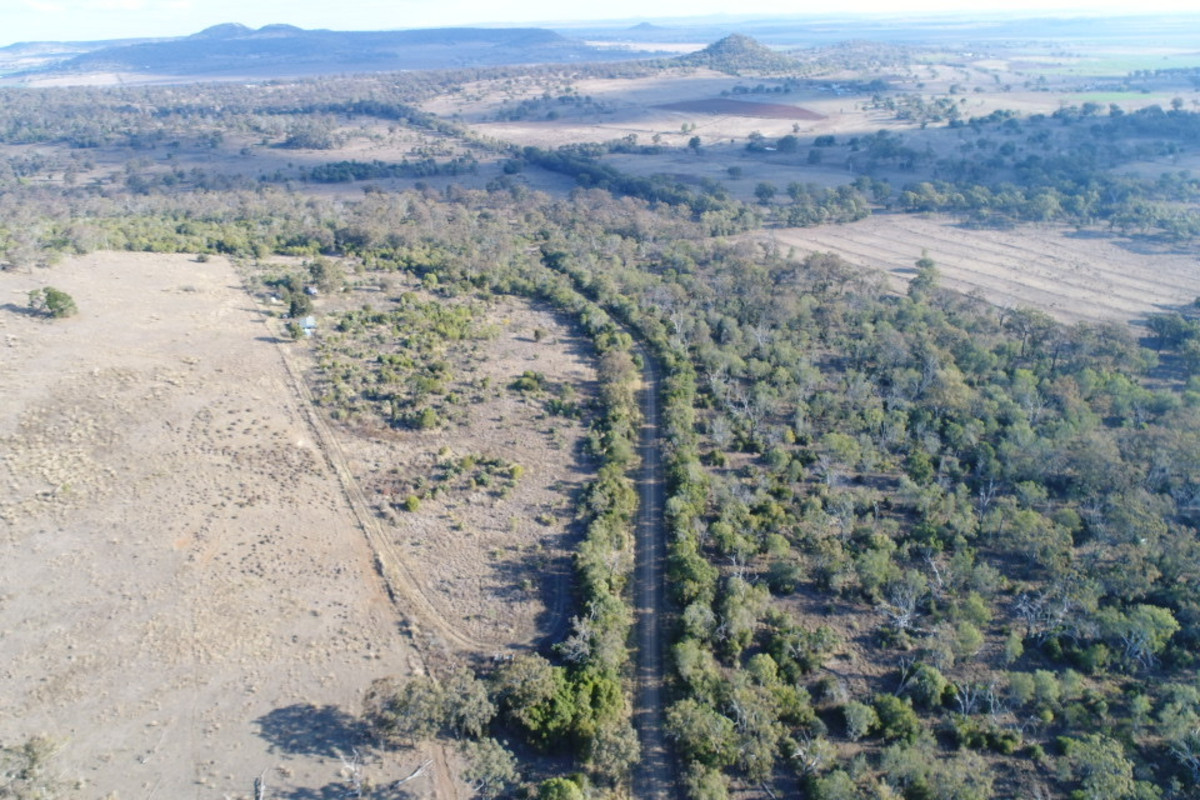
[(279, 50)]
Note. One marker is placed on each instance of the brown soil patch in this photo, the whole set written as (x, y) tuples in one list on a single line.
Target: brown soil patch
[(739, 108), (187, 601), (1071, 276)]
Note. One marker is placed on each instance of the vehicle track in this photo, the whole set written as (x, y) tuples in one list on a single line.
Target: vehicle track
[(654, 776), (401, 587)]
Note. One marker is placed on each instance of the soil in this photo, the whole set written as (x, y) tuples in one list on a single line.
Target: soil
[(1074, 276), (189, 601), (740, 108)]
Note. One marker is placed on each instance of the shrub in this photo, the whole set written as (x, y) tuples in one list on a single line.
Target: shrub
[(559, 789), (52, 302), (897, 720), (926, 686), (860, 718)]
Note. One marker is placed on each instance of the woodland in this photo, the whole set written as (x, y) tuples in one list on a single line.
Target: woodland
[(918, 546)]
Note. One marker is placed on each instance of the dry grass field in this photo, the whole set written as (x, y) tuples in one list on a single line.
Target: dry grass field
[(188, 601), (1073, 276)]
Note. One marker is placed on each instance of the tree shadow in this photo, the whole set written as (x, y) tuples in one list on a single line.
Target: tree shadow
[(24, 311), (305, 729), (337, 791)]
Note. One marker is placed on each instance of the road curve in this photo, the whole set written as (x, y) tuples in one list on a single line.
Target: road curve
[(654, 777)]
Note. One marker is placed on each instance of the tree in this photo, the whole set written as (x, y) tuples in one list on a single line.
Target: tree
[(861, 720), (926, 279), (52, 302), (559, 789), (614, 749), (467, 707), (490, 767), (897, 720), (703, 783), (1142, 632), (702, 734), (1099, 764), (694, 144), (410, 712), (537, 696)]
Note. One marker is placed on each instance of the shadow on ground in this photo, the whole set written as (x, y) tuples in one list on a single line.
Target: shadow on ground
[(305, 729), (24, 311)]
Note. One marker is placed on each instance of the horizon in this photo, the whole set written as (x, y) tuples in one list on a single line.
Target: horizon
[(101, 20)]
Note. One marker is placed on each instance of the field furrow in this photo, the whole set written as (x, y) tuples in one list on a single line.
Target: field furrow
[(1071, 277)]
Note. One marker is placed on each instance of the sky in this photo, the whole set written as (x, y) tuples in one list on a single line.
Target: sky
[(82, 20)]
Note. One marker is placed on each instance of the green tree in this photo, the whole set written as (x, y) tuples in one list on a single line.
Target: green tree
[(409, 712), (860, 718), (468, 709), (52, 302), (897, 720), (490, 767), (704, 783), (1099, 765), (559, 789), (1142, 632), (701, 733)]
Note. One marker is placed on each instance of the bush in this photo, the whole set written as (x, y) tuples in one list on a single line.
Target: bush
[(426, 420), (897, 720), (861, 720), (559, 789), (926, 686), (52, 302), (784, 576)]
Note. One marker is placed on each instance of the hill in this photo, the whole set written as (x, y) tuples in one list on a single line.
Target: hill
[(233, 50), (736, 54)]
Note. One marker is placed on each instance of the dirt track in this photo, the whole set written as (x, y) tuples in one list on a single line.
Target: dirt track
[(654, 777)]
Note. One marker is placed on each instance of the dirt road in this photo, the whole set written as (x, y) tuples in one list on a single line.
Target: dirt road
[(654, 776)]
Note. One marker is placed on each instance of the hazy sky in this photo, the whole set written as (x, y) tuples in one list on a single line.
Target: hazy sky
[(75, 20)]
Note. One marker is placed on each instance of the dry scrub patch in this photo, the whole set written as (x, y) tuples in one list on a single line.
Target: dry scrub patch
[(487, 542), (1072, 276), (186, 600)]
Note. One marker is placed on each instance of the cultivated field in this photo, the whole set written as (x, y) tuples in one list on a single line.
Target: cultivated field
[(1070, 275)]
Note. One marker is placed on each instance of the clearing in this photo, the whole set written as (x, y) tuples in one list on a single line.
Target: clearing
[(1072, 276), (168, 514)]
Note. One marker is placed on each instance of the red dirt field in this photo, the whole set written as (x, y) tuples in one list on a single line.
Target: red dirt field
[(739, 108)]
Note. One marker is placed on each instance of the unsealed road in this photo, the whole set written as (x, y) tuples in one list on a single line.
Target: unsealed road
[(654, 777)]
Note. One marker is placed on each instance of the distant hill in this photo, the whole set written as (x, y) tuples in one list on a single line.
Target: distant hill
[(737, 54), (233, 50)]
